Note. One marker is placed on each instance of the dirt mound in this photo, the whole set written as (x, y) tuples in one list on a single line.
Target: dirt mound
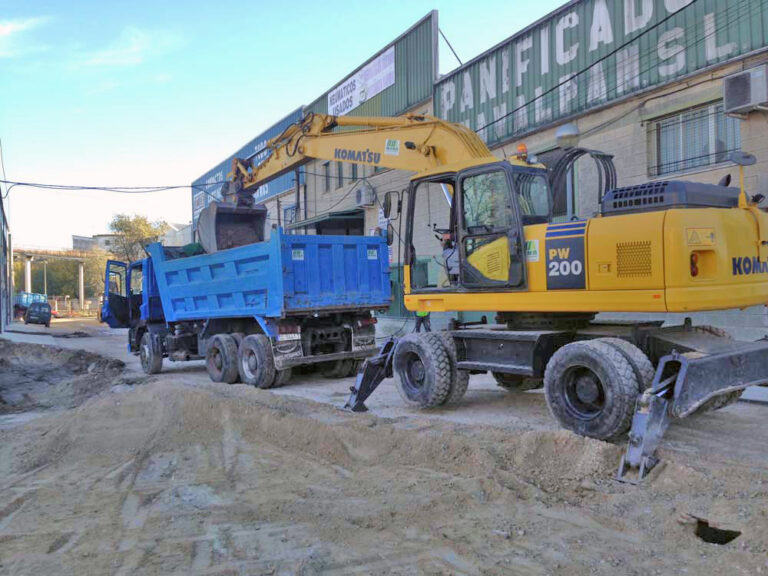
[(33, 376), (173, 477), (184, 417)]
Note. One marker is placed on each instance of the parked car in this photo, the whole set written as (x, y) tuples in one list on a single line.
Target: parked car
[(38, 313)]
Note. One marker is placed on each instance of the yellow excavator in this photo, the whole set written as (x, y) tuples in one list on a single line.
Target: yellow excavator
[(671, 246)]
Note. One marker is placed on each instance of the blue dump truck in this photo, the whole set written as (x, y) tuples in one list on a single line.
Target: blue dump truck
[(252, 309)]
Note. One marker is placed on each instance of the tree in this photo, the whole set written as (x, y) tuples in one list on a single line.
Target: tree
[(133, 233)]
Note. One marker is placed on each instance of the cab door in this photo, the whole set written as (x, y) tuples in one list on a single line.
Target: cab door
[(490, 231), (114, 310)]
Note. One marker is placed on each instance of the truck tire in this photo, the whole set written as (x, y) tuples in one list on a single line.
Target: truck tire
[(422, 370), (516, 382), (239, 337), (151, 361), (641, 364), (282, 377), (354, 368), (459, 378), (337, 368), (221, 359), (255, 361), (591, 389)]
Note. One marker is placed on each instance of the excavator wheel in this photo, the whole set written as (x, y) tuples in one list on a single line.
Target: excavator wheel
[(591, 389), (641, 364), (422, 370), (459, 378), (221, 359), (256, 363), (516, 383)]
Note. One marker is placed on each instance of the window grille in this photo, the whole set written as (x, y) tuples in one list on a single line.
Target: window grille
[(694, 138)]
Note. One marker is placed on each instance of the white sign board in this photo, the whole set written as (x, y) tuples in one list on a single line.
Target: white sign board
[(371, 79)]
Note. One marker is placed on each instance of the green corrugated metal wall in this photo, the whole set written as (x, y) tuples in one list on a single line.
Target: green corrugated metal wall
[(415, 65), (740, 27)]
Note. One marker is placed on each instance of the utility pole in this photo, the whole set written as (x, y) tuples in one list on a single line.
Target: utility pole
[(45, 277)]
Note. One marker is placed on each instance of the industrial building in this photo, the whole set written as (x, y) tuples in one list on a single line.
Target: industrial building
[(668, 87)]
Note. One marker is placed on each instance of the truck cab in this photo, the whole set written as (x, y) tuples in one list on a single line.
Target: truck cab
[(131, 299)]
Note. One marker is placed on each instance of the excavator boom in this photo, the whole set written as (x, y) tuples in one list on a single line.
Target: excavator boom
[(414, 143)]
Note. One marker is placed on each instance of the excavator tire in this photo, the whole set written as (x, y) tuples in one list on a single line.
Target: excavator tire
[(422, 370), (459, 378), (723, 400), (516, 383), (591, 389), (255, 361), (644, 370), (221, 359)]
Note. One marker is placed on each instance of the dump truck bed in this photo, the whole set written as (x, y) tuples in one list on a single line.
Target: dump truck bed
[(286, 275)]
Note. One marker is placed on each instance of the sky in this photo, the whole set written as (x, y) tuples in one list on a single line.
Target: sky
[(148, 93)]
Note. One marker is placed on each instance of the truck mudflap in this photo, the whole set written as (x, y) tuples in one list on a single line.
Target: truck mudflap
[(371, 374), (682, 384)]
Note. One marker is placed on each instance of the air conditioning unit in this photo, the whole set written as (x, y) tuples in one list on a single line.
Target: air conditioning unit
[(746, 91), (365, 195)]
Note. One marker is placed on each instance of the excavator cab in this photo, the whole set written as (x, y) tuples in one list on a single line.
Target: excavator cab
[(477, 216)]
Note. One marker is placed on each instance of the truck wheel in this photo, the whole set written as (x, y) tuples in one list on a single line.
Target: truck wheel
[(255, 361), (337, 368), (151, 361), (459, 378), (221, 359), (641, 364), (354, 368), (422, 370), (591, 389), (516, 382), (282, 377), (239, 337)]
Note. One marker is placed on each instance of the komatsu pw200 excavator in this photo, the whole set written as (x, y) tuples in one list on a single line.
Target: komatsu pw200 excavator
[(659, 247)]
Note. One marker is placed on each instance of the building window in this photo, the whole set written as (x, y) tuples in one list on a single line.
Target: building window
[(694, 138), (354, 171), (327, 177), (289, 215), (340, 174)]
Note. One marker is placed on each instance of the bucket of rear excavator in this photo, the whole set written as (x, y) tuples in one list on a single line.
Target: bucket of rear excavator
[(221, 226)]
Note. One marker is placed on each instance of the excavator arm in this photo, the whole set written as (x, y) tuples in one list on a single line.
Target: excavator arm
[(413, 143)]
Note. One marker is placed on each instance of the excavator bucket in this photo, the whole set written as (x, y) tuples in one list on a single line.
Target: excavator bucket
[(222, 226)]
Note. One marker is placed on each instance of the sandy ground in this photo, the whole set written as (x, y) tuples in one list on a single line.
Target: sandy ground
[(105, 471)]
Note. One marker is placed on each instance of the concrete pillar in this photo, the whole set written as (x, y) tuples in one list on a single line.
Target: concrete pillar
[(27, 274), (81, 284)]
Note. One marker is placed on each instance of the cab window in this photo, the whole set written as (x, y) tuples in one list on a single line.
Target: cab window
[(486, 203), (533, 197)]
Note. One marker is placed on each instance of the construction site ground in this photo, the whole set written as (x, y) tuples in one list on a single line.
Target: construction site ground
[(104, 470)]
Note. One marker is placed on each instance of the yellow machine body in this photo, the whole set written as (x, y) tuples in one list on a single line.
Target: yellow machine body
[(637, 262), (634, 262)]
